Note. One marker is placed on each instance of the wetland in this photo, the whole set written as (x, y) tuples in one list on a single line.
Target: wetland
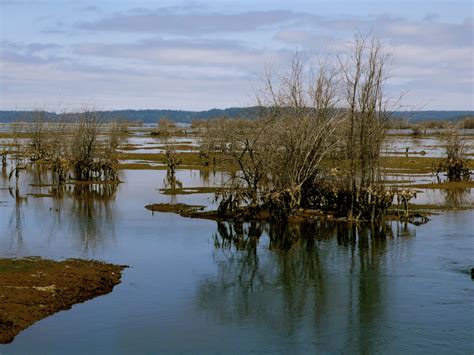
[(200, 285)]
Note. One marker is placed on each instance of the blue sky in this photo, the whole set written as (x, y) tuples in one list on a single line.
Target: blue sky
[(61, 54)]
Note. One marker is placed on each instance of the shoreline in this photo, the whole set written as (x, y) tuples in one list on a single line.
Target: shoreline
[(34, 288)]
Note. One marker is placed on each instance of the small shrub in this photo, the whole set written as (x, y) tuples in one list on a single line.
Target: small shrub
[(416, 131), (455, 164), (467, 123), (165, 128)]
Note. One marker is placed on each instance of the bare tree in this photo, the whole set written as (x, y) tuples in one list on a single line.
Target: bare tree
[(92, 147), (39, 148), (18, 156), (301, 124), (365, 72), (454, 164), (165, 127), (284, 149), (310, 116)]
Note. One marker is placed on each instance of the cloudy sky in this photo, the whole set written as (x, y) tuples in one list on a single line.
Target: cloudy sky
[(197, 55)]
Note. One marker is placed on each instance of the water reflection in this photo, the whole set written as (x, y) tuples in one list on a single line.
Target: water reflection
[(324, 278), (457, 198), (39, 174), (451, 198), (4, 165), (15, 224), (84, 211), (172, 183), (205, 176), (92, 215)]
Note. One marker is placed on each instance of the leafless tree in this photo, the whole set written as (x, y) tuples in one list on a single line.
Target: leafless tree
[(39, 148), (164, 128), (365, 71), (284, 149), (455, 163), (309, 117), (300, 132)]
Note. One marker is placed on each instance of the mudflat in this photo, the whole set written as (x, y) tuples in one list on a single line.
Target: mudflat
[(34, 288)]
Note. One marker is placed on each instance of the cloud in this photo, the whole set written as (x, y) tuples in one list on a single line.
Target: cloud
[(90, 8), (199, 53), (29, 80), (394, 30), (310, 40), (171, 21), (432, 60), (29, 85), (32, 53), (429, 33), (198, 57)]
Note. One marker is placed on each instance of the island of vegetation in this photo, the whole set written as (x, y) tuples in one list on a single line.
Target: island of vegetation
[(314, 146)]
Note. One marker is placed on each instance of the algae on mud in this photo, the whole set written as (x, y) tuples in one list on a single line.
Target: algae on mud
[(33, 288), (248, 214)]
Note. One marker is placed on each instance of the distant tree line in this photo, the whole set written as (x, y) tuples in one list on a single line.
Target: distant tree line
[(151, 116), (146, 116), (415, 116)]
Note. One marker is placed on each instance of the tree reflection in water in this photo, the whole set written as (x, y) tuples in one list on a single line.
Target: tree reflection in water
[(4, 173), (82, 210), (17, 242), (171, 182), (457, 198), (326, 278), (90, 216)]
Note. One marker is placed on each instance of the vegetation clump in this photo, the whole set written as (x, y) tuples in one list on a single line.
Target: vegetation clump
[(455, 164), (179, 208), (84, 149), (316, 143), (467, 123), (416, 131), (164, 128)]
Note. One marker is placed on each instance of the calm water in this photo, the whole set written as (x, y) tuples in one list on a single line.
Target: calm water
[(199, 287), (424, 146)]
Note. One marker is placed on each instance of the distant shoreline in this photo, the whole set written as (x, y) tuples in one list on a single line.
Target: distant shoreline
[(152, 116)]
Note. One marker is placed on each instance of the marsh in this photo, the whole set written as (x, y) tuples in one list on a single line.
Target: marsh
[(200, 286)]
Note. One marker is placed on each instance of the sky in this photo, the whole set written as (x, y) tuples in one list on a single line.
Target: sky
[(198, 55)]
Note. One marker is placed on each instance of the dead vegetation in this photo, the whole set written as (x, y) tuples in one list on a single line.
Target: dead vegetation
[(316, 143), (165, 128), (467, 123), (455, 164), (79, 146)]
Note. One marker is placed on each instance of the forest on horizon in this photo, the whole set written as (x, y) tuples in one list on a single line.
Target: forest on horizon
[(154, 115)]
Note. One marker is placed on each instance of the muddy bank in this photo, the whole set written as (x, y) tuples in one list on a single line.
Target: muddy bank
[(247, 214), (196, 211), (33, 288)]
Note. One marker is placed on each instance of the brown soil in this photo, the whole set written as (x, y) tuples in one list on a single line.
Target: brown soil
[(464, 184), (245, 214), (33, 288), (179, 208), (192, 190), (259, 215)]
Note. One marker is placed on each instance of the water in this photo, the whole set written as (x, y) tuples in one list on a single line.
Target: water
[(199, 287), (430, 144)]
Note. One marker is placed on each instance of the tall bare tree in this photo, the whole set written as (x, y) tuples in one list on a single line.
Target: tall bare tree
[(302, 120), (365, 72)]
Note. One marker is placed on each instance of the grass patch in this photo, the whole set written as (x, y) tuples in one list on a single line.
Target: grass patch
[(191, 190), (179, 208), (447, 185)]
